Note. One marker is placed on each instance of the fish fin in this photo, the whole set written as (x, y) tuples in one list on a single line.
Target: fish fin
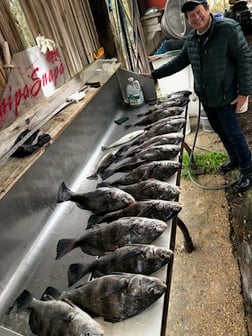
[(50, 292), (47, 297), (133, 253), (76, 272), (120, 150), (69, 302), (93, 219), (106, 173), (64, 246), (103, 184), (147, 209), (64, 193), (22, 302), (98, 274), (141, 115), (91, 250), (122, 283), (111, 319), (128, 126), (148, 172), (92, 177), (118, 158)]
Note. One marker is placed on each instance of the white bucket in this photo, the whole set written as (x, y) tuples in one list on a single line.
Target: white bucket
[(205, 124), (188, 125)]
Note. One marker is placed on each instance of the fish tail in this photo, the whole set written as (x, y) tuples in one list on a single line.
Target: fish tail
[(122, 149), (92, 177), (64, 246), (119, 158), (128, 126), (118, 155), (103, 184), (76, 272), (64, 193), (93, 219), (106, 174), (22, 302), (140, 115), (50, 292)]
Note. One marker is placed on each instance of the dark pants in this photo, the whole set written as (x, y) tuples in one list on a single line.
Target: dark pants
[(224, 121)]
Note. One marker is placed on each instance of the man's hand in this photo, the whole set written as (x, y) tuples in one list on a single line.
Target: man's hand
[(239, 101), (147, 74)]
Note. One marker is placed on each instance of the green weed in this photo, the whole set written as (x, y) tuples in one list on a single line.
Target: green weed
[(204, 163)]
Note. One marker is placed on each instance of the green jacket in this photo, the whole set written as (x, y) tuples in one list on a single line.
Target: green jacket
[(222, 65)]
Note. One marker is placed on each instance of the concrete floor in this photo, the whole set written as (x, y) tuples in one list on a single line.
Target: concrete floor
[(206, 297)]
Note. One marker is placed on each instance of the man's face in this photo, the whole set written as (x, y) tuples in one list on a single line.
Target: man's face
[(199, 18)]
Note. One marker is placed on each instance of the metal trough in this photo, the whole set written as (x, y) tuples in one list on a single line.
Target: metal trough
[(32, 222)]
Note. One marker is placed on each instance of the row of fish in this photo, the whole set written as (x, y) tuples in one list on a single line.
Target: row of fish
[(128, 214), (141, 221), (163, 128)]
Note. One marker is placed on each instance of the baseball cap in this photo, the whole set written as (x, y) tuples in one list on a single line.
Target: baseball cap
[(190, 5)]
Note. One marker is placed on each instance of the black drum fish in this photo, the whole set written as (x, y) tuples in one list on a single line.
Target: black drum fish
[(151, 189), (106, 237), (116, 297), (135, 258), (160, 170), (101, 200), (56, 317), (153, 153), (159, 209)]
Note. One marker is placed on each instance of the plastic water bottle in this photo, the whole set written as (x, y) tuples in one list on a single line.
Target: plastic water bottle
[(134, 92)]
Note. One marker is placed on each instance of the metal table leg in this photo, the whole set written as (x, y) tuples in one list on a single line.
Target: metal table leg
[(188, 243)]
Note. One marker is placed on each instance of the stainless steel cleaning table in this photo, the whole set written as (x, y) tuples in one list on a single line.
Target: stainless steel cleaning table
[(32, 222)]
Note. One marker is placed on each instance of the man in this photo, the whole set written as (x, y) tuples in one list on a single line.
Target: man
[(221, 61)]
